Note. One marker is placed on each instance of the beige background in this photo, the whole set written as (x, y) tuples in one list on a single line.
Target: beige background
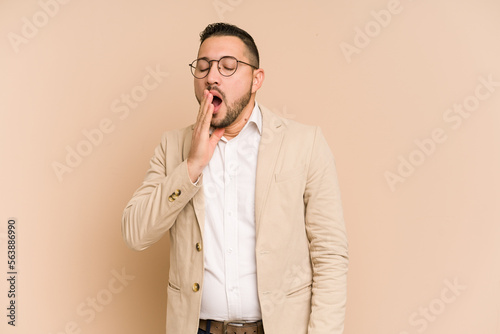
[(408, 243)]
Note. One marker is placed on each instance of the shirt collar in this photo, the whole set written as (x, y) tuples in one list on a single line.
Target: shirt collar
[(256, 118)]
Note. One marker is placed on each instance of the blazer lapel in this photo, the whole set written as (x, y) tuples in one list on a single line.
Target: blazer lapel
[(269, 148)]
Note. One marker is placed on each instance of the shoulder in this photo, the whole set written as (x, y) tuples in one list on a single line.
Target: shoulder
[(175, 144), (292, 130), (177, 136), (177, 133)]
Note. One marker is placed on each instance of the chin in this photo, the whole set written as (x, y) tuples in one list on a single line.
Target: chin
[(216, 121)]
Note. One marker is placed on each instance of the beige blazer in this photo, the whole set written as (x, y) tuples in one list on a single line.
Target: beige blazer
[(301, 245)]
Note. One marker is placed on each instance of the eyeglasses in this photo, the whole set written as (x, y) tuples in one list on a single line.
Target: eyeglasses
[(227, 66)]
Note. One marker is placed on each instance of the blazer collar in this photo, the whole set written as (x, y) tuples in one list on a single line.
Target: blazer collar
[(269, 149)]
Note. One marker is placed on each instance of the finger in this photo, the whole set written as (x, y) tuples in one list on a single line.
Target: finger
[(201, 113), (205, 107), (208, 112), (202, 107), (216, 136)]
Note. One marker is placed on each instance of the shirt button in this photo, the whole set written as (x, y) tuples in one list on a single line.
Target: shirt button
[(229, 250), (198, 247), (196, 287)]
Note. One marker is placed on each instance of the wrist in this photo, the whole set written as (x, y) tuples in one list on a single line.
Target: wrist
[(193, 172)]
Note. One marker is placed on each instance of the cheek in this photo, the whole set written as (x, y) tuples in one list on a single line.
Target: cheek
[(238, 89), (198, 90)]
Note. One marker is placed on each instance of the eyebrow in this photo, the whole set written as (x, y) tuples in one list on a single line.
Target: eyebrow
[(207, 59)]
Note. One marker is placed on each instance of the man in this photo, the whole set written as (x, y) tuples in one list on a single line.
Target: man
[(252, 204)]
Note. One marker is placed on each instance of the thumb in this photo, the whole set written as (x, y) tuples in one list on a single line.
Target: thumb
[(217, 135)]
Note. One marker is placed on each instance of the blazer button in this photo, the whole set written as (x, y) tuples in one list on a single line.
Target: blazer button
[(198, 247), (177, 192), (196, 287), (170, 198)]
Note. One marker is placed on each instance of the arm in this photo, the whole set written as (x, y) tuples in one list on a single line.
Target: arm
[(328, 242), (154, 207)]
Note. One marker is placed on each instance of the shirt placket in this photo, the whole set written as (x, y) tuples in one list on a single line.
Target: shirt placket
[(231, 229)]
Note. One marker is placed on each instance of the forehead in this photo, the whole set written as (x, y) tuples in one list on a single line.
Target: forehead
[(219, 46)]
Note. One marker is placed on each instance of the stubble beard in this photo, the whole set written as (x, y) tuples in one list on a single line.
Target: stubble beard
[(233, 111)]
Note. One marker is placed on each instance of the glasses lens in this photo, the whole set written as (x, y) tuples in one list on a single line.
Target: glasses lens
[(200, 68), (227, 66)]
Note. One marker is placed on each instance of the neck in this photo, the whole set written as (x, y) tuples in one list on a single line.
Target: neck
[(235, 128)]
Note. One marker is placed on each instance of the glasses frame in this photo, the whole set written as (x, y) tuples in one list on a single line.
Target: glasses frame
[(193, 68)]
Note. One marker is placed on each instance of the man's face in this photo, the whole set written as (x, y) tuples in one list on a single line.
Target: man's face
[(231, 94)]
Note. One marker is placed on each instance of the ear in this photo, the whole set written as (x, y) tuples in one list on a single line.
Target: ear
[(258, 79)]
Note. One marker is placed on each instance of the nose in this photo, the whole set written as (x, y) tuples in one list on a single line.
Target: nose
[(213, 76)]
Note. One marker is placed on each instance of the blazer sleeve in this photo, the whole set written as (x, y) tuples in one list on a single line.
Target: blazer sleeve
[(155, 205), (328, 241)]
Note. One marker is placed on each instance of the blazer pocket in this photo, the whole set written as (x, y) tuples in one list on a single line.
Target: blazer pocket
[(300, 290), (290, 174), (173, 287)]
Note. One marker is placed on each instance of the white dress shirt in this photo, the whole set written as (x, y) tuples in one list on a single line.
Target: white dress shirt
[(230, 278)]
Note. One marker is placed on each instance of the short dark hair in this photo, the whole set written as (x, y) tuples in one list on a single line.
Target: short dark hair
[(226, 29)]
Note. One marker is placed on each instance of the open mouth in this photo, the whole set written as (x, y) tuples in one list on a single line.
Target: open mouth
[(216, 101)]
